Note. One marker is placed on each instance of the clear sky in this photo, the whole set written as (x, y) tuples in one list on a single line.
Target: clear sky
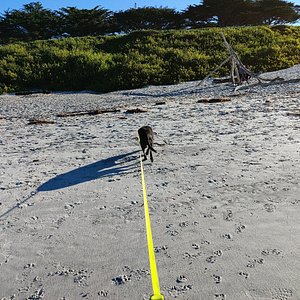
[(113, 5)]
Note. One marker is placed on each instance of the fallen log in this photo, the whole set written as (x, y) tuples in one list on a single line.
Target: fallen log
[(295, 113), (221, 80), (39, 122), (135, 111), (89, 112), (25, 93), (214, 100), (160, 103)]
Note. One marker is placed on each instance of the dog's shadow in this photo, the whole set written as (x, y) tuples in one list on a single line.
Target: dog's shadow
[(108, 167)]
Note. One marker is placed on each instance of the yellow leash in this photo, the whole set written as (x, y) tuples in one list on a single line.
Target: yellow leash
[(153, 270)]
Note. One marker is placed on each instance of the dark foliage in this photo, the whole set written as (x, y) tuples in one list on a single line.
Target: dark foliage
[(241, 12), (33, 22), (146, 18)]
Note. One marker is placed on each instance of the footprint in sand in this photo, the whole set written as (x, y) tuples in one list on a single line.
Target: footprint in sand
[(184, 224), (173, 232), (103, 293), (191, 256), (134, 274), (121, 279), (282, 294), (252, 263), (218, 252), (227, 236), (69, 206), (220, 297), (29, 266), (159, 249), (240, 228), (28, 269), (80, 277), (211, 259), (228, 215), (84, 295), (269, 207), (271, 252), (181, 279), (205, 242), (217, 278), (178, 290), (195, 246), (60, 221), (244, 274), (37, 295)]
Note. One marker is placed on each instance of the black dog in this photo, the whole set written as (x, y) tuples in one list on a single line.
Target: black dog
[(146, 140)]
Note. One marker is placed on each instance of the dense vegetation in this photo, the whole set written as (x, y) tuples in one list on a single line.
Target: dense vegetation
[(34, 22), (107, 63)]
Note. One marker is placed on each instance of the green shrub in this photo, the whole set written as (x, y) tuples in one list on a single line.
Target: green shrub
[(108, 63)]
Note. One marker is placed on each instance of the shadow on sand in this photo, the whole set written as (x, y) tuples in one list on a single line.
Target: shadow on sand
[(108, 167)]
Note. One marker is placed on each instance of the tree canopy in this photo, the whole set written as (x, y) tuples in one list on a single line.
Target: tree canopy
[(241, 12), (146, 18), (34, 22), (31, 23), (83, 22)]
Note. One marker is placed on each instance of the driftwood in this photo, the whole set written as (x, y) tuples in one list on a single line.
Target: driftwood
[(135, 110), (294, 92), (214, 100), (160, 103), (295, 113), (40, 122), (25, 93), (222, 80), (238, 71), (89, 112), (216, 69)]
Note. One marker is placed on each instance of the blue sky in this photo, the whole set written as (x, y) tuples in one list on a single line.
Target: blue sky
[(112, 5)]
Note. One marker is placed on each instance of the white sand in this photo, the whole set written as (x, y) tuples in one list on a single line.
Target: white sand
[(223, 190)]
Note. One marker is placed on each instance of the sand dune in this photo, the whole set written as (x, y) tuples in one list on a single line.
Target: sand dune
[(223, 192)]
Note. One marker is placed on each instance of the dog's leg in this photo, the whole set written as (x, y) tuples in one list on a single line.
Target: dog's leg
[(145, 157), (151, 148), (143, 149), (151, 156)]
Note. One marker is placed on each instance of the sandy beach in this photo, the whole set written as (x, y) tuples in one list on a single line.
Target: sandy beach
[(224, 193)]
